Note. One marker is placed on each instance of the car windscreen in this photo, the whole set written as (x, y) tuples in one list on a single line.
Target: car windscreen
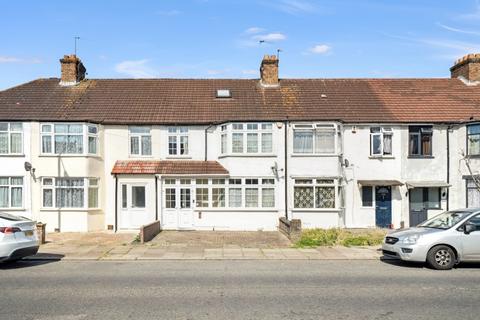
[(445, 220), (11, 217)]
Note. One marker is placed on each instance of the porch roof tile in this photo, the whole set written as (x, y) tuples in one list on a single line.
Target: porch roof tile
[(169, 167)]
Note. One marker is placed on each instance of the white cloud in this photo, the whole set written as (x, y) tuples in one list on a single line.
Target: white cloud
[(254, 30), (9, 59), (320, 49), (135, 68), (270, 37), (458, 30)]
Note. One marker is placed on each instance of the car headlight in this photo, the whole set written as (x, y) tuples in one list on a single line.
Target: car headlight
[(411, 239)]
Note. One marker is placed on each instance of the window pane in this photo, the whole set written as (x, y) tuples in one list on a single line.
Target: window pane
[(16, 126), (60, 144), (252, 126), (237, 126), (201, 181), (16, 181), (251, 197), (134, 145), (266, 126), (75, 128), (92, 129), (218, 197), (474, 129), (202, 197), (325, 141), (303, 197), (251, 181), (376, 144), (46, 144), (303, 141), (4, 197), (93, 197), (75, 144), (185, 201), (47, 198), (60, 128), (413, 144), (252, 142), (183, 145), (185, 181), (268, 181), (169, 181), (237, 142), (139, 129), (138, 197), (92, 145), (268, 198), (70, 197), (4, 181), (426, 144), (434, 198), (367, 196), (172, 145), (387, 144), (235, 197), (146, 146), (46, 128), (3, 142), (324, 197), (3, 126), (234, 181), (47, 181), (473, 144), (267, 144), (170, 198), (224, 143), (218, 181), (16, 143)]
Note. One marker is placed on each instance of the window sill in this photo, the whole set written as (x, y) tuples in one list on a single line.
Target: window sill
[(178, 157), (315, 209), (139, 156), (475, 156), (381, 157), (13, 209), (70, 209), (11, 155), (420, 157), (247, 155), (69, 156), (314, 155), (235, 209)]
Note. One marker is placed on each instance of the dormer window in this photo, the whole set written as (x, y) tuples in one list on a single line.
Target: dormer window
[(223, 93)]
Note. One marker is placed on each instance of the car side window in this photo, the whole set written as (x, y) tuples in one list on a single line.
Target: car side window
[(476, 221)]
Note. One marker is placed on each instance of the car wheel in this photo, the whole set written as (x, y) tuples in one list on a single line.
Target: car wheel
[(441, 258)]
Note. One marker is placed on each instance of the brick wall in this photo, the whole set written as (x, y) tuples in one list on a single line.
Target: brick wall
[(467, 67), (269, 70)]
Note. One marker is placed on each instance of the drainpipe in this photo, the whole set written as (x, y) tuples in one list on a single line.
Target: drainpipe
[(206, 140), (156, 197), (286, 166), (448, 165), (116, 202)]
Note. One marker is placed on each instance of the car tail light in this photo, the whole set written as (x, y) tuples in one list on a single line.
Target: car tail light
[(9, 229)]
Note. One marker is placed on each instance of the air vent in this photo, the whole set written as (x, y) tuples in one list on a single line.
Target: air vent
[(224, 93)]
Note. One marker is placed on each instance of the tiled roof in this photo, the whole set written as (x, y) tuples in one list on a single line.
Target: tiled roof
[(169, 167), (193, 101)]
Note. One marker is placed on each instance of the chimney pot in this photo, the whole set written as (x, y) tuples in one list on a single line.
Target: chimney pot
[(467, 67), (73, 70), (269, 71)]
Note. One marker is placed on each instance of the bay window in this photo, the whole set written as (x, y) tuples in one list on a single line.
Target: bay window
[(11, 138), (314, 138), (70, 192), (420, 141), (473, 139), (140, 140), (68, 138), (178, 141), (314, 194), (381, 141), (11, 192)]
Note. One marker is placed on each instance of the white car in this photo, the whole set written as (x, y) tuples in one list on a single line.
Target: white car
[(18, 237)]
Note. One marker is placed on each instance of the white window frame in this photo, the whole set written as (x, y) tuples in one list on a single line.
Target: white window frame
[(139, 136), (10, 186), (9, 132), (314, 183), (313, 128), (88, 183), (246, 130), (178, 133), (85, 138), (382, 132)]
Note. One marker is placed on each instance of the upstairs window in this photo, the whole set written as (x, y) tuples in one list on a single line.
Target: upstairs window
[(420, 141), (178, 141), (247, 138), (140, 141), (11, 138), (473, 139), (314, 138), (381, 141), (68, 138)]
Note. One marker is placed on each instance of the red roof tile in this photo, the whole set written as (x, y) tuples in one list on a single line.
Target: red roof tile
[(169, 167)]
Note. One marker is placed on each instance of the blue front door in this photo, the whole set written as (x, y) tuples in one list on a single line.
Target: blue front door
[(383, 206)]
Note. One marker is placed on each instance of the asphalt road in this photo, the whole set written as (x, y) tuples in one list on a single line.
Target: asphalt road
[(236, 290)]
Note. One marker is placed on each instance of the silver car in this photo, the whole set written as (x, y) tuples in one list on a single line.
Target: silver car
[(442, 241), (18, 237)]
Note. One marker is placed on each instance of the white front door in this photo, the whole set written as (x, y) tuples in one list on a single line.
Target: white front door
[(133, 204), (177, 205)]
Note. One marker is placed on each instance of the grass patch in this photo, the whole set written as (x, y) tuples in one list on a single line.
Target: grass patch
[(340, 237)]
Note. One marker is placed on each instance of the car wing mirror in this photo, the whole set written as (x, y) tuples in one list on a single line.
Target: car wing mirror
[(469, 228)]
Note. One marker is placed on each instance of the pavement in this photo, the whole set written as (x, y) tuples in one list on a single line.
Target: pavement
[(278, 289), (191, 245)]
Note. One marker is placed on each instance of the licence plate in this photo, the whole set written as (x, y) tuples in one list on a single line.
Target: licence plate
[(29, 233)]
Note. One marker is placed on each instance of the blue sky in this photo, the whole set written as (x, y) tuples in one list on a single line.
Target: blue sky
[(220, 39)]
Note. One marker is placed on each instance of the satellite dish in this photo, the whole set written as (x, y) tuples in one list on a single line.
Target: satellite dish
[(346, 163), (28, 166)]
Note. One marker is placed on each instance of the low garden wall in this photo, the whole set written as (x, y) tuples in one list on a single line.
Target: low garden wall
[(149, 231), (291, 228)]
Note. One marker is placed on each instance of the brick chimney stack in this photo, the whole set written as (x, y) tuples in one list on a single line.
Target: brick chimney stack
[(467, 67), (73, 70), (269, 71)]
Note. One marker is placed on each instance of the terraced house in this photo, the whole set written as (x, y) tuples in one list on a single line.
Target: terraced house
[(237, 154)]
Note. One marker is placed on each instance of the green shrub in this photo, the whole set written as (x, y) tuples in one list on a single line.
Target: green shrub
[(333, 237)]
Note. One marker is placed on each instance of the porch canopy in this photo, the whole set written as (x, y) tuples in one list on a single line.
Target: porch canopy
[(369, 183), (169, 167), (427, 184)]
